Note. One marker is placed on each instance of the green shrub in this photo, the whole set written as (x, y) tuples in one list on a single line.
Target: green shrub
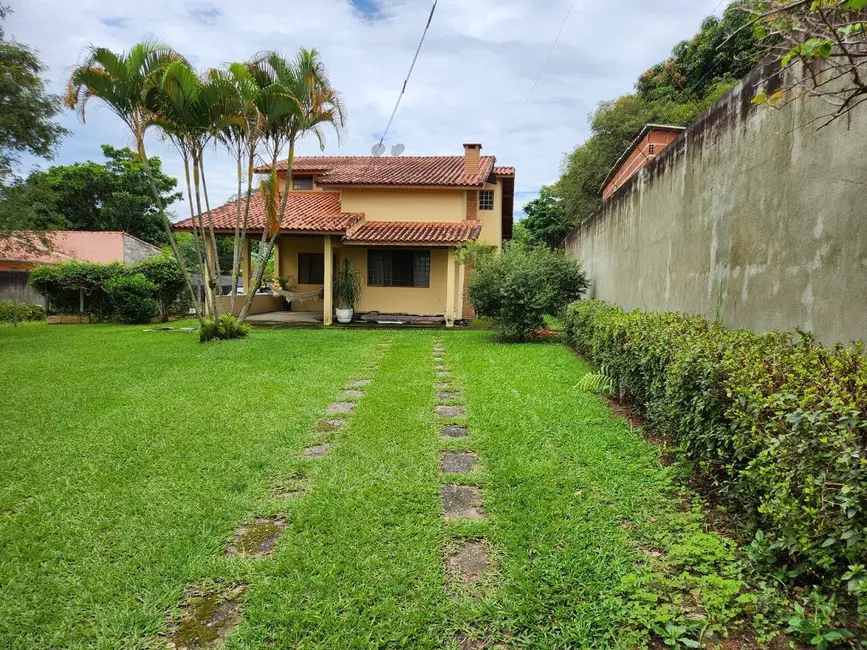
[(779, 425), (519, 287), (171, 291), (63, 284), (12, 311), (225, 328), (131, 298)]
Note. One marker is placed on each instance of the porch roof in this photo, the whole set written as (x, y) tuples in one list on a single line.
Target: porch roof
[(306, 212), (412, 233)]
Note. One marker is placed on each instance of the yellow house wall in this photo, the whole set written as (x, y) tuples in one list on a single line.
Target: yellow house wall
[(429, 301), (289, 249), (492, 220), (386, 204)]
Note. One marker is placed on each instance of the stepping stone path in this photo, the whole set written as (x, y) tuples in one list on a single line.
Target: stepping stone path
[(340, 407), (351, 392), (330, 425), (257, 539), (447, 395), (469, 562), (450, 411), (358, 383), (207, 618), (462, 502), (317, 451), (457, 462), (454, 431)]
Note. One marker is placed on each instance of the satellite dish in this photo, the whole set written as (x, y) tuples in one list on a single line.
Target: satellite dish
[(378, 150), (397, 149)]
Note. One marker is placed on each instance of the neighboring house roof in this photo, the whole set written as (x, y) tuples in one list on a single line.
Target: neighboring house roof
[(313, 212), (409, 170), (413, 233), (647, 129), (64, 245)]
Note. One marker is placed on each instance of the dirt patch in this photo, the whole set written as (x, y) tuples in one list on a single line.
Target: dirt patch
[(457, 462), (466, 643), (317, 451), (358, 383), (206, 618), (469, 562), (340, 407), (257, 539), (451, 411), (351, 392), (447, 395), (462, 502), (330, 425), (454, 431)]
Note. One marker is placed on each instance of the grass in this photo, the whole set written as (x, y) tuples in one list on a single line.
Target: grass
[(130, 458)]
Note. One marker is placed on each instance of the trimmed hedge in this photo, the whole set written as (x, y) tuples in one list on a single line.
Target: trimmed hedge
[(778, 423), (12, 311)]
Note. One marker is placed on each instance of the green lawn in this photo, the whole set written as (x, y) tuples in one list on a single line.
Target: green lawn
[(128, 459)]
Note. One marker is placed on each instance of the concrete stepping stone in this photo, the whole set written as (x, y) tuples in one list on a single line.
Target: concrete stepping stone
[(330, 424), (440, 367), (461, 502), (257, 539), (340, 407), (457, 462), (358, 383), (451, 411), (444, 385), (317, 451), (442, 373), (448, 395), (207, 617), (351, 392), (470, 562), (454, 431)]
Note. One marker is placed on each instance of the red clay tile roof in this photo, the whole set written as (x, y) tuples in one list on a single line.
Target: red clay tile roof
[(410, 170), (504, 171), (413, 233), (305, 212)]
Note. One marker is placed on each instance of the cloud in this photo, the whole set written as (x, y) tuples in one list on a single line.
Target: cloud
[(478, 64)]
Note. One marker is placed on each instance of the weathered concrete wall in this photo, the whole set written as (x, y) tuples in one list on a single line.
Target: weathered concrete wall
[(14, 285), (751, 208), (136, 250)]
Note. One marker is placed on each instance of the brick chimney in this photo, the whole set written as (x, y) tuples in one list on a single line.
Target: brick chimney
[(471, 158)]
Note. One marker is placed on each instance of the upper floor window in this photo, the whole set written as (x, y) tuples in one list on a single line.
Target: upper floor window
[(486, 200), (302, 182)]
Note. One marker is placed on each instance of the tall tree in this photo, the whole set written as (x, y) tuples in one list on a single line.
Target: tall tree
[(546, 221), (27, 117), (114, 195)]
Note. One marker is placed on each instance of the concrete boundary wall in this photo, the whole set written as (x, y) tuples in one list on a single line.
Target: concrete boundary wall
[(751, 213)]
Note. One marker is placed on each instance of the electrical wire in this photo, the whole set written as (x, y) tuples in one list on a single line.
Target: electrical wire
[(544, 65), (409, 74)]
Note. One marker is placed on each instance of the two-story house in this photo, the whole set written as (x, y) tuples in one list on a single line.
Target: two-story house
[(399, 220)]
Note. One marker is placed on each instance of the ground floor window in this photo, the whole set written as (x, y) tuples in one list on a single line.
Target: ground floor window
[(311, 268), (397, 268)]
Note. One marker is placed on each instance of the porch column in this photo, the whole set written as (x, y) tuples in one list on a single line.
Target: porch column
[(245, 264), (450, 288), (327, 282)]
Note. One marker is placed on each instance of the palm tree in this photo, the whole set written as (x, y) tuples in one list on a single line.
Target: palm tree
[(121, 82), (314, 104)]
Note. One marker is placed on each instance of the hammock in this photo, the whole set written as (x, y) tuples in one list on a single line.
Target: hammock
[(295, 296)]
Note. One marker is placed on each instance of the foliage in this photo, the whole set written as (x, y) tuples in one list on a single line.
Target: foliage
[(12, 311), (675, 92), (27, 121), (778, 425), (130, 297), (820, 44), (62, 285), (347, 286), (114, 195), (519, 287), (224, 328), (600, 383), (187, 247), (546, 221)]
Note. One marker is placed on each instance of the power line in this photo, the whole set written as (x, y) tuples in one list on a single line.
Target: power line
[(544, 65), (409, 74)]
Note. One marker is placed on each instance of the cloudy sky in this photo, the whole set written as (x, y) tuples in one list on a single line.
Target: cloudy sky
[(478, 64)]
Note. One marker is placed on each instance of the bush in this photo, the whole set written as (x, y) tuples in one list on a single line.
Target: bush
[(519, 287), (225, 328), (171, 291), (12, 311), (131, 298), (778, 425)]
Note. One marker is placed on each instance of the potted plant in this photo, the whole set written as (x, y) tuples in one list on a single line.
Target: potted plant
[(347, 291)]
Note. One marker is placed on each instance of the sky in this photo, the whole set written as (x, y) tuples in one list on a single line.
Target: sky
[(479, 62)]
